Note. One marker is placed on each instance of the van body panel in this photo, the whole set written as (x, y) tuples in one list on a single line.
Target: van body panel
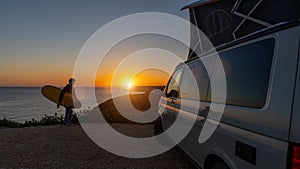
[(223, 144), (295, 122)]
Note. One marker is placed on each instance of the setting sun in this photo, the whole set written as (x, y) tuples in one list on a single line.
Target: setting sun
[(129, 84)]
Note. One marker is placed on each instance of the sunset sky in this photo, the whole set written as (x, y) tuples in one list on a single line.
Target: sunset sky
[(40, 40)]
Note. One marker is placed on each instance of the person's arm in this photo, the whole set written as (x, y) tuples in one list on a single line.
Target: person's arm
[(61, 95)]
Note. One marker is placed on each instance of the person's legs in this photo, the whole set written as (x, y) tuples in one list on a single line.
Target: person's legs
[(66, 116), (69, 114)]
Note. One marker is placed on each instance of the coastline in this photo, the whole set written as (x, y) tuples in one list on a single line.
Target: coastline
[(22, 104)]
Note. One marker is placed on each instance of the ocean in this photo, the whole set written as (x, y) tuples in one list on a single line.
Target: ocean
[(25, 103)]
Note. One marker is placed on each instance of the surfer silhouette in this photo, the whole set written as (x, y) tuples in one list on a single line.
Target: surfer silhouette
[(69, 111)]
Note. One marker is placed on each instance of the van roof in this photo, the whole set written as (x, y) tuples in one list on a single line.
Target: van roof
[(259, 33), (198, 3), (262, 32), (225, 21)]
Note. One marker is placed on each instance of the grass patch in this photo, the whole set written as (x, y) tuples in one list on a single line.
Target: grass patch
[(47, 120)]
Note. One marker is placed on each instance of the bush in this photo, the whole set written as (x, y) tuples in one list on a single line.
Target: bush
[(44, 121)]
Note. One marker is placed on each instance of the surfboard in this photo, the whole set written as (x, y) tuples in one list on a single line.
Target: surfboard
[(52, 93)]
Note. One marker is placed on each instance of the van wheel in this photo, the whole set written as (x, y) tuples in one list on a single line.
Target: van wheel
[(219, 165), (158, 128)]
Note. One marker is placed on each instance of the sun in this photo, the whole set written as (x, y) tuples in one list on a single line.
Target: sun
[(129, 85)]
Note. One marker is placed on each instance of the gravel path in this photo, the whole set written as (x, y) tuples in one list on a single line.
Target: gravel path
[(69, 147)]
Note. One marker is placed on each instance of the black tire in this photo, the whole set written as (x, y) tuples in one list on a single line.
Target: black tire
[(219, 165), (158, 128)]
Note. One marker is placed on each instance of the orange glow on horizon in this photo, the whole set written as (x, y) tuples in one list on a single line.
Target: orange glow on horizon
[(148, 77), (151, 77)]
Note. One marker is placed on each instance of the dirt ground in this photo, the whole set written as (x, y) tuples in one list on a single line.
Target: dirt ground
[(59, 146)]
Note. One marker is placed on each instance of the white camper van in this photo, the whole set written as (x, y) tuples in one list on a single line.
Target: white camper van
[(258, 44)]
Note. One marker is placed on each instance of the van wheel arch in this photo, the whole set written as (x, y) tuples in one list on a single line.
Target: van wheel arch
[(215, 162)]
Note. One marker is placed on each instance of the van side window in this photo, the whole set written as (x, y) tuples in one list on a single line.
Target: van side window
[(194, 76), (247, 71), (173, 86)]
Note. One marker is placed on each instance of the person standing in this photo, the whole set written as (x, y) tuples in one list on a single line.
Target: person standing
[(69, 111)]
